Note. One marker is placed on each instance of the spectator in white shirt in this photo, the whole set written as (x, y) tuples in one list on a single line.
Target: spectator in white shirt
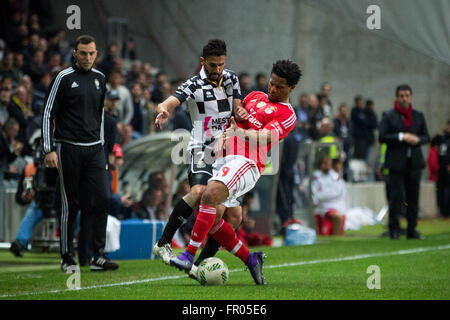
[(328, 194)]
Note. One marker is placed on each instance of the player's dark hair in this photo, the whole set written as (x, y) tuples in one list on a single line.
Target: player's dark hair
[(403, 87), (85, 39), (288, 70), (215, 47)]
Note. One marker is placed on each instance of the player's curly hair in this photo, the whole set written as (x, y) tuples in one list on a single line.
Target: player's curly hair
[(288, 70), (215, 47)]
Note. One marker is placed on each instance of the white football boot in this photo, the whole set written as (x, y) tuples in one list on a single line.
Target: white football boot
[(164, 252), (193, 273)]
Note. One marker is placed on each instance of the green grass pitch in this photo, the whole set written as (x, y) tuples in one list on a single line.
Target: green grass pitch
[(333, 268)]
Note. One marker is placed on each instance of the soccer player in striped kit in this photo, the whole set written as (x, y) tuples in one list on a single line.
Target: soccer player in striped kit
[(72, 136), (246, 146), (212, 95)]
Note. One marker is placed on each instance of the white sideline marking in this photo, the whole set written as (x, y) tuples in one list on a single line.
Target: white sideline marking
[(292, 264), (361, 256)]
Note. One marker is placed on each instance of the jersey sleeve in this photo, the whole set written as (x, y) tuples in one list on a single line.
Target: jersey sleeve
[(52, 104), (254, 95), (186, 90), (282, 124), (236, 87)]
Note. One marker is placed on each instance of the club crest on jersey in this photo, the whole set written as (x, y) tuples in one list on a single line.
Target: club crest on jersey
[(261, 104), (97, 84), (271, 109)]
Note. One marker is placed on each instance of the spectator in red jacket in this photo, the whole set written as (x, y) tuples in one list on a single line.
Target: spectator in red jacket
[(433, 159)]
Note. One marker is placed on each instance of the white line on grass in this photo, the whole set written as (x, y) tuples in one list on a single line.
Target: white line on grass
[(291, 264), (361, 256)]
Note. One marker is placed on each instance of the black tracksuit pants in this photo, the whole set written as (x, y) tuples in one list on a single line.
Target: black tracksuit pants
[(84, 186)]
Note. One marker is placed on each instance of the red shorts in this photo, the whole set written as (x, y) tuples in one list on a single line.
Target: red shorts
[(325, 223)]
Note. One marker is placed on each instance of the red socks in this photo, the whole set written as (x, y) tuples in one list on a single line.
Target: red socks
[(205, 220), (222, 232), (227, 238)]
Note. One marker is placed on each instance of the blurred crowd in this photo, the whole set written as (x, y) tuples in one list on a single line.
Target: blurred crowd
[(31, 54)]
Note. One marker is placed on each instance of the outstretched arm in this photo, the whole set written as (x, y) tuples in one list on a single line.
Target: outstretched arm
[(164, 109)]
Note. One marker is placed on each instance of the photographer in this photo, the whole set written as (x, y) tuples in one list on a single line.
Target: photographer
[(37, 187)]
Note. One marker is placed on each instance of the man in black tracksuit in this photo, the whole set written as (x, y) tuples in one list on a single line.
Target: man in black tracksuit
[(72, 139)]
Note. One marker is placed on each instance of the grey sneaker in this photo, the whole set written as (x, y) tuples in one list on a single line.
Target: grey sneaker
[(183, 262), (254, 264), (164, 252)]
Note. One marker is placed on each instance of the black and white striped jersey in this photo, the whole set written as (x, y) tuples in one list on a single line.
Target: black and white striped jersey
[(73, 109), (210, 105)]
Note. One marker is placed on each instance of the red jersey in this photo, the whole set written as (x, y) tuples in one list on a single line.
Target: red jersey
[(279, 118)]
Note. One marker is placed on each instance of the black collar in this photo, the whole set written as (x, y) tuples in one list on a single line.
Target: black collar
[(81, 70)]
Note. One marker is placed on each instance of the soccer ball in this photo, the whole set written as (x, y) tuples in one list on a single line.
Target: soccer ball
[(212, 272)]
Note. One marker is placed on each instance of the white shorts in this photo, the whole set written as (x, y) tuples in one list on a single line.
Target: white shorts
[(239, 174)]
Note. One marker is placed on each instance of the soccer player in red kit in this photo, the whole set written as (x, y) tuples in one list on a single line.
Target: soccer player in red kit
[(268, 118)]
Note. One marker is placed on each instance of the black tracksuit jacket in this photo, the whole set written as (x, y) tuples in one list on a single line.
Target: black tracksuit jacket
[(73, 109)]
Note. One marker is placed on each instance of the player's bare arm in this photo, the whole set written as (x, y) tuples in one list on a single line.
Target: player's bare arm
[(239, 111), (164, 110), (254, 136)]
